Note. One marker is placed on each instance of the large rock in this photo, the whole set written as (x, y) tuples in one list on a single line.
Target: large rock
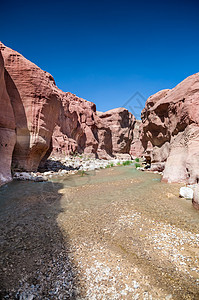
[(186, 192), (36, 104), (170, 134), (121, 124), (7, 129)]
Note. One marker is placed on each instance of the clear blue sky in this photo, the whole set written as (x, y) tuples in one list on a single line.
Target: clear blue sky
[(105, 51)]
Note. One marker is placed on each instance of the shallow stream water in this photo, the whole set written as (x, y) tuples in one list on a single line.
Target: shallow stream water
[(117, 233)]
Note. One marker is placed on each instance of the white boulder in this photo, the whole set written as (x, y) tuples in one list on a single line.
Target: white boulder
[(186, 192)]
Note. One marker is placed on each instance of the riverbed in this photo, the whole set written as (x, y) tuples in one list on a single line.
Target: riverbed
[(116, 233)]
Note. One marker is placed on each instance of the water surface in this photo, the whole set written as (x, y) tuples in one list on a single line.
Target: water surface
[(116, 233)]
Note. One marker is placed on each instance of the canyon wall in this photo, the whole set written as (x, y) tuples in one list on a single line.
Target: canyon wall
[(121, 124), (37, 118), (137, 149), (81, 129), (170, 131), (35, 103), (7, 128)]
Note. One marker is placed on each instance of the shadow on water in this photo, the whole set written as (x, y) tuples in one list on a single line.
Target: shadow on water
[(35, 261)]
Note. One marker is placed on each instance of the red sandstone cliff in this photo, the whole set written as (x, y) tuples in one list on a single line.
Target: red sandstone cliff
[(137, 148), (37, 118), (170, 135), (7, 128), (121, 123), (35, 102)]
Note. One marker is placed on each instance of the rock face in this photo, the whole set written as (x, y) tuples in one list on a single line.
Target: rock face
[(170, 134), (76, 126), (35, 103), (136, 149), (121, 123), (7, 128), (37, 118), (195, 200), (80, 128)]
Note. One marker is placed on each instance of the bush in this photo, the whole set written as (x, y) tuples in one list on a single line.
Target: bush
[(137, 159), (126, 163), (118, 164), (112, 164), (137, 165), (81, 173)]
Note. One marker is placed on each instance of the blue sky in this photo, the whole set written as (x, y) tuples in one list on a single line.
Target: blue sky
[(106, 51)]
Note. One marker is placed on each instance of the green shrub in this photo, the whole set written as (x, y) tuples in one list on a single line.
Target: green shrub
[(137, 159), (118, 164), (112, 164), (126, 163), (82, 173), (137, 165), (108, 166)]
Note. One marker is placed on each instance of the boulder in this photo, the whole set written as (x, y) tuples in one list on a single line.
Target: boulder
[(186, 192)]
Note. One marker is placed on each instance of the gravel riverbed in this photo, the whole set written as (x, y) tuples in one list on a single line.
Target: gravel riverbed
[(116, 233)]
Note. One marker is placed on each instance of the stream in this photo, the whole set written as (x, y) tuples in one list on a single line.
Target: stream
[(116, 233)]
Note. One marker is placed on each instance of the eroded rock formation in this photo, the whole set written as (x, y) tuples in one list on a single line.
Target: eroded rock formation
[(170, 131), (136, 149), (36, 104), (121, 123), (37, 118), (7, 128), (76, 127), (80, 128)]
